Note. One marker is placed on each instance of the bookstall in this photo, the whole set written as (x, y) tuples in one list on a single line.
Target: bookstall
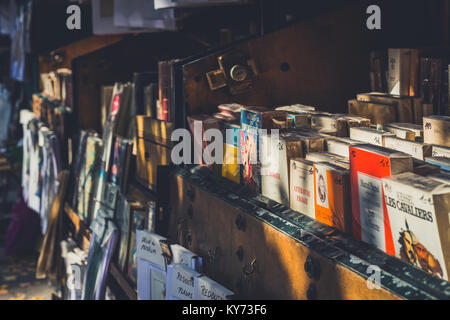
[(257, 149)]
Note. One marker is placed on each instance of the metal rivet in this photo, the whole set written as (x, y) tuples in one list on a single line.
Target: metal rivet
[(238, 73)]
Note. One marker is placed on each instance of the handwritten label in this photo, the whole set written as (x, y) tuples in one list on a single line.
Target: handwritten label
[(148, 247)]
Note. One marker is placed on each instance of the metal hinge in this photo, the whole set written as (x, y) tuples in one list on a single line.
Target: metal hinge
[(237, 72)]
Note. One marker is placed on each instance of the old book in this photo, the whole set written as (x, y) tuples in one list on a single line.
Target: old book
[(299, 120), (154, 130), (297, 108), (254, 119), (368, 165), (418, 210), (424, 168), (339, 146), (231, 166), (417, 129), (328, 157), (123, 221), (417, 150), (441, 177), (403, 105), (263, 118), (87, 183), (329, 123), (301, 195), (440, 151), (311, 141), (332, 196), (442, 162), (276, 152), (198, 125), (105, 103), (370, 135), (137, 223), (399, 71), (400, 133), (436, 130), (151, 99), (165, 83), (121, 162), (378, 113)]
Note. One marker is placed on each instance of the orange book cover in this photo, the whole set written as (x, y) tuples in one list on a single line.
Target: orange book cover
[(331, 194), (368, 165)]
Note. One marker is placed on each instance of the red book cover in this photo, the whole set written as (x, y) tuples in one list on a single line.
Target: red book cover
[(368, 165)]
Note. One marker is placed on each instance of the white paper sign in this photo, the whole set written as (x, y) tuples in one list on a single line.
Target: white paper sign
[(149, 248), (371, 210)]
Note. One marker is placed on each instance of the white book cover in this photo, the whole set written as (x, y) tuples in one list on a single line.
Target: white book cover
[(413, 218)]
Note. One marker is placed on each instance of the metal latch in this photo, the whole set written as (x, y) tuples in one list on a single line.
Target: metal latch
[(237, 72)]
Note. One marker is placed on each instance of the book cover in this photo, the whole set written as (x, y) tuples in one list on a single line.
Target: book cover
[(302, 186), (332, 196), (276, 153), (418, 210), (368, 165)]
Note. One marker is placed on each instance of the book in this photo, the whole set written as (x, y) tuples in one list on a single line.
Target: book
[(87, 181), (340, 146), (370, 135), (378, 113), (276, 153), (252, 120), (329, 157), (165, 106), (424, 168), (231, 166), (123, 221), (418, 210), (405, 106), (332, 196), (436, 130), (301, 193), (121, 162), (137, 223), (368, 165), (403, 130), (442, 162), (151, 99), (417, 150), (399, 71), (441, 151)]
